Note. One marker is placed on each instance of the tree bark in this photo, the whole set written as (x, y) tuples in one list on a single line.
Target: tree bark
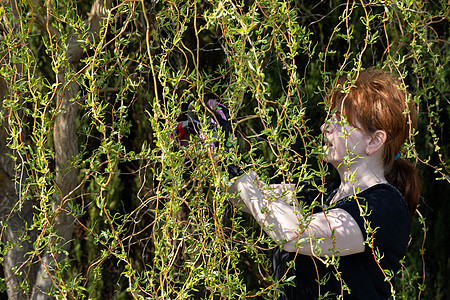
[(66, 179), (66, 149), (16, 215)]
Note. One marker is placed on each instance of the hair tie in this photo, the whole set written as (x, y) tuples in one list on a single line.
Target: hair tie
[(397, 156)]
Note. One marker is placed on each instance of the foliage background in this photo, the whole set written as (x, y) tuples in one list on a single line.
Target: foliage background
[(145, 218)]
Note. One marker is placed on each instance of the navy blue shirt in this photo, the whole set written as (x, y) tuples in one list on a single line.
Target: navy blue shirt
[(356, 276)]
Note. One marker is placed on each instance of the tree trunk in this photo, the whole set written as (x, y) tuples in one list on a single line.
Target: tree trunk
[(66, 149), (15, 215)]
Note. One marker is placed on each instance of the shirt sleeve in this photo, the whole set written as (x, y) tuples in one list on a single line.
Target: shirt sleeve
[(383, 217)]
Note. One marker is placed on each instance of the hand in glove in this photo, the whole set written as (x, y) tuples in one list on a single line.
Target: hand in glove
[(220, 119)]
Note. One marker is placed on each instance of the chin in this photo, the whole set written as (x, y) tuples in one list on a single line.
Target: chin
[(330, 159)]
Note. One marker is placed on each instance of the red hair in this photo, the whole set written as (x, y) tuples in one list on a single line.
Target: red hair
[(377, 101)]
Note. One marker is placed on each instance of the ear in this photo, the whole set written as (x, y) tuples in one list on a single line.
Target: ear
[(376, 142)]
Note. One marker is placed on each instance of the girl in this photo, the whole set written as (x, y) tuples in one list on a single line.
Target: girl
[(364, 220)]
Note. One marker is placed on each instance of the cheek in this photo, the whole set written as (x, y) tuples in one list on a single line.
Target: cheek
[(356, 142)]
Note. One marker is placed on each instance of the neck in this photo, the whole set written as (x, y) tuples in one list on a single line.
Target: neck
[(359, 176)]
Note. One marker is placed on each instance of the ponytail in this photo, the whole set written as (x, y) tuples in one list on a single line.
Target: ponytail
[(404, 177)]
